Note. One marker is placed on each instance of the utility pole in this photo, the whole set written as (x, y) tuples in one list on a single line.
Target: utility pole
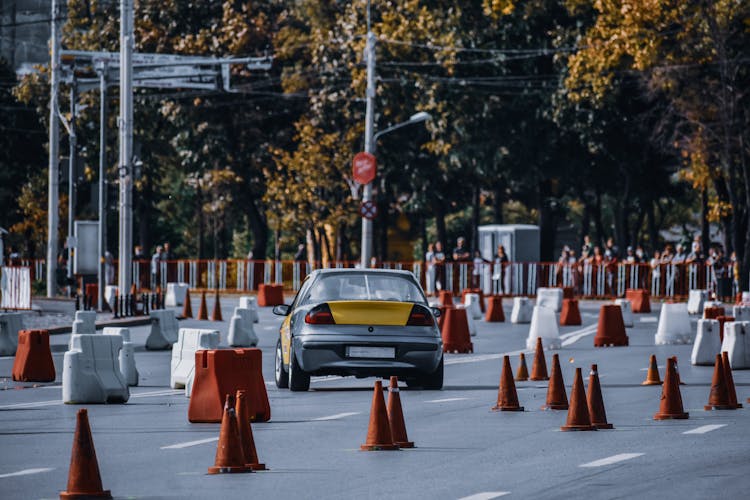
[(53, 184), (72, 176), (126, 146), (366, 250), (101, 278)]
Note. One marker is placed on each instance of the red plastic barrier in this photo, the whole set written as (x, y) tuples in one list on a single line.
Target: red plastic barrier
[(33, 362), (713, 312), (270, 295), (570, 314), (225, 371), (611, 328), (495, 311), (639, 299)]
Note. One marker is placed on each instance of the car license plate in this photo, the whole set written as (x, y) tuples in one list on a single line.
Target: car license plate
[(371, 352)]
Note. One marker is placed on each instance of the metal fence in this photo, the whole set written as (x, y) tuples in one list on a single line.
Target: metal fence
[(588, 280), (15, 287)]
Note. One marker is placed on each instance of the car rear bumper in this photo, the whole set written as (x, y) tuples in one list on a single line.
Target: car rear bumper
[(327, 355)]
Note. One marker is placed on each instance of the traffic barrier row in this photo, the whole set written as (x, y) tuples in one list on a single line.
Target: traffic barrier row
[(10, 325)]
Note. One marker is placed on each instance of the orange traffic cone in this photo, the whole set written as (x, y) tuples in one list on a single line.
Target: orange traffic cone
[(446, 298), (539, 366), (84, 480), (671, 399), (578, 413), (187, 307), (203, 309), (507, 398), (730, 380), (396, 416), (495, 311), (522, 374), (677, 371), (557, 399), (216, 313), (379, 435), (229, 456), (652, 377), (718, 398), (246, 432), (596, 402)]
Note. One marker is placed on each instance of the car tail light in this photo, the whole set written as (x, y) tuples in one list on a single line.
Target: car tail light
[(320, 315), (420, 316)]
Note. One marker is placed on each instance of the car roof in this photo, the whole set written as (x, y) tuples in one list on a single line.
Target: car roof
[(397, 272)]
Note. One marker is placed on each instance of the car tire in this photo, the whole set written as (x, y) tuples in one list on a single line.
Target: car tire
[(299, 381), (430, 382), (280, 373)]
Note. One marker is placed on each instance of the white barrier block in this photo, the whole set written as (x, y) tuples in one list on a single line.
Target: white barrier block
[(176, 293), (85, 322), (10, 325), (696, 299), (522, 309), (241, 331), (741, 313), (163, 329), (707, 343), (544, 325), (674, 325), (189, 341), (473, 306), (91, 371), (110, 295), (550, 297), (737, 344), (627, 311), (469, 319), (247, 302), (127, 355), (745, 298)]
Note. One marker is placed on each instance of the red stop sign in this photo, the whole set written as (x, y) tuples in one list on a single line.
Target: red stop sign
[(364, 168)]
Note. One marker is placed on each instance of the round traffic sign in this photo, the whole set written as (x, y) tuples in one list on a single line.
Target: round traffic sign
[(368, 210), (364, 168)]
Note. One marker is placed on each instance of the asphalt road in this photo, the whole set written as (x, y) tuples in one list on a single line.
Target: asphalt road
[(148, 449)]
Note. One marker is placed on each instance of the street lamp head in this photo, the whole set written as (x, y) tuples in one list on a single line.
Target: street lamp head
[(420, 116)]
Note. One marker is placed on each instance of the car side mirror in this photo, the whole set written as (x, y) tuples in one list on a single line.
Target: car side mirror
[(436, 311), (282, 310)]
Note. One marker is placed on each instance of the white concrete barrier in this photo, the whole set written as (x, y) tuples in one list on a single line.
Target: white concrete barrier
[(707, 343), (164, 328), (127, 355), (10, 325), (473, 307), (91, 371), (110, 295), (711, 303), (627, 311), (189, 341), (550, 297), (522, 310), (745, 298), (85, 322), (469, 319), (674, 325), (247, 302), (696, 299), (741, 313), (176, 293), (241, 331), (737, 344), (544, 325)]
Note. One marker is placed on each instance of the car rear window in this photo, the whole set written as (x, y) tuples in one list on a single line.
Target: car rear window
[(364, 287)]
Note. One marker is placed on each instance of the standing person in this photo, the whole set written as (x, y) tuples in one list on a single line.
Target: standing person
[(429, 262), (721, 279), (300, 255), (166, 253), (610, 247), (138, 253), (155, 260), (586, 248), (461, 253), (501, 262), (477, 270), (439, 260), (109, 268)]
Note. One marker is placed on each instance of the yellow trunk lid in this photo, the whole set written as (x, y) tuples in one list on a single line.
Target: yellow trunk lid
[(370, 312)]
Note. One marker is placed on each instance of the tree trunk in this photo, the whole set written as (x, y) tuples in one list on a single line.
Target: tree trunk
[(636, 234), (585, 222), (439, 212), (259, 228), (498, 199), (475, 220), (546, 224), (598, 220), (705, 227), (199, 209), (653, 231)]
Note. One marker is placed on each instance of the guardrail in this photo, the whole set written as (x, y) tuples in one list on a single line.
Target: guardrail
[(513, 278), (15, 287)]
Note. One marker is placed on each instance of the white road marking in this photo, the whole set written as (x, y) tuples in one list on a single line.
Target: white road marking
[(36, 404), (705, 428), (336, 416), (170, 392), (446, 400), (661, 367), (330, 378), (26, 472), (612, 460), (573, 337), (486, 495), (188, 444), (649, 320), (39, 404)]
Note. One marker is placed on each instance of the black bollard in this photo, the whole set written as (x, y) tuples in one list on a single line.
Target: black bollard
[(163, 299), (78, 304), (115, 309)]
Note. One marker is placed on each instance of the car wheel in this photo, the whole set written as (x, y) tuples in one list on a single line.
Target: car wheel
[(431, 382), (298, 379), (280, 374)]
